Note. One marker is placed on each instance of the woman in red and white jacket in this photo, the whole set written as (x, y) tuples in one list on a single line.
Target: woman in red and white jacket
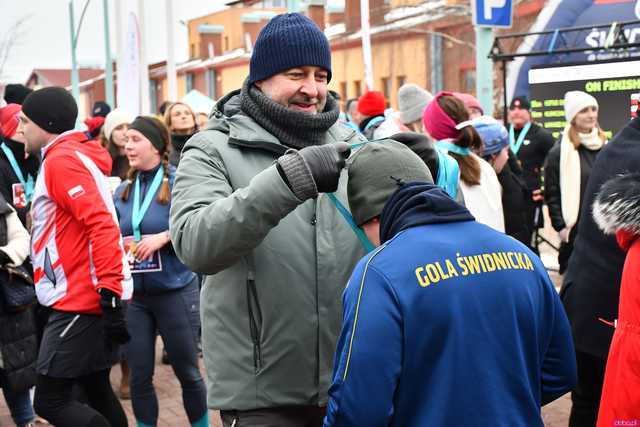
[(617, 210)]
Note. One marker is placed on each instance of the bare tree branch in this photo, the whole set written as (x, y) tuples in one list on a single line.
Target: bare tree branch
[(10, 39)]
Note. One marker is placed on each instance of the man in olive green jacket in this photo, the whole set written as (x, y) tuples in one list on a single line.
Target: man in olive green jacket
[(249, 211)]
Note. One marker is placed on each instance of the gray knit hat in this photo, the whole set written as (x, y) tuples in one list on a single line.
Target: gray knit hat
[(412, 100), (375, 172)]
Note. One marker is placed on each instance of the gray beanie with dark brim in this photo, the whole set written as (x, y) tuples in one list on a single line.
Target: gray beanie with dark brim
[(375, 172)]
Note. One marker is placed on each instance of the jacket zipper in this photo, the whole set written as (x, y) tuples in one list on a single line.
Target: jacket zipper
[(255, 321)]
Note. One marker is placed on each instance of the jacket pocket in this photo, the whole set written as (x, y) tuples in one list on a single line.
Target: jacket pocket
[(255, 321)]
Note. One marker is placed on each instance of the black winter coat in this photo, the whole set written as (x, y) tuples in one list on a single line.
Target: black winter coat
[(591, 286), (515, 197), (18, 338), (553, 199)]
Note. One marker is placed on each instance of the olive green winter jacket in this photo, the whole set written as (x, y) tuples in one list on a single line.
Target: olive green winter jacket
[(271, 303)]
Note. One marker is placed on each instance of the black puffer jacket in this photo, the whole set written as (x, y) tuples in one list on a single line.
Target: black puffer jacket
[(553, 198), (591, 286), (18, 338)]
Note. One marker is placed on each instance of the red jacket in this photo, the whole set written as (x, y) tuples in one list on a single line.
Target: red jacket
[(76, 247), (620, 402)]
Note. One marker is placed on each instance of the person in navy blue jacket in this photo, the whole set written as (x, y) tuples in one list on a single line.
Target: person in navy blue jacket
[(165, 296), (448, 322)]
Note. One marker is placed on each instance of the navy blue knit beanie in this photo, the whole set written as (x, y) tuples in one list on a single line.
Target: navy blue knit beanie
[(289, 40)]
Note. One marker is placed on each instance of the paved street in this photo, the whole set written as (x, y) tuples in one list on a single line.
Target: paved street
[(172, 414)]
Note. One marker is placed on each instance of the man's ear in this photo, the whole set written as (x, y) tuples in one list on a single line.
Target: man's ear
[(258, 84)]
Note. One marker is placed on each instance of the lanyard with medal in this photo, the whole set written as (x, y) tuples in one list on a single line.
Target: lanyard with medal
[(26, 183), (139, 211), (515, 145)]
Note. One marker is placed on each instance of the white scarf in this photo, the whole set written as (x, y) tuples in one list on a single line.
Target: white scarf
[(570, 172)]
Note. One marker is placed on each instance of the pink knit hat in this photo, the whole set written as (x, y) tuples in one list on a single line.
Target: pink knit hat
[(469, 101)]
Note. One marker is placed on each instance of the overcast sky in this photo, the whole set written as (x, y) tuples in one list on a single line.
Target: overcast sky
[(44, 40)]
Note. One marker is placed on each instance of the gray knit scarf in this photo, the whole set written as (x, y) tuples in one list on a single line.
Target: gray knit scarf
[(292, 128)]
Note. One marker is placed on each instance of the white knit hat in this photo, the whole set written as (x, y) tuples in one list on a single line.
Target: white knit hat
[(576, 101), (412, 100), (114, 119)]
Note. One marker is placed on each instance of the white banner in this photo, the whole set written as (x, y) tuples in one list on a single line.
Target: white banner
[(128, 70)]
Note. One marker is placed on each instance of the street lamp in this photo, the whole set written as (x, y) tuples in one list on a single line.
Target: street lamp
[(75, 33)]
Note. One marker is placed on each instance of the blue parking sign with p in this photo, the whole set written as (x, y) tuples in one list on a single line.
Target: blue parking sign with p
[(492, 13)]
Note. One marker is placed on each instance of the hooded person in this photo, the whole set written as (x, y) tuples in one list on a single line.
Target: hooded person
[(18, 171), (446, 120), (515, 196), (568, 167), (434, 264), (80, 271), (250, 212), (617, 211)]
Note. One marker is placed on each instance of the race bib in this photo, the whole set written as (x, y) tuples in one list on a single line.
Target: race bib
[(154, 264), (19, 196)]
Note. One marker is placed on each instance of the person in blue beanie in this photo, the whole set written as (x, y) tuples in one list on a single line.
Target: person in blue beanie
[(165, 292), (447, 322), (253, 212), (515, 195)]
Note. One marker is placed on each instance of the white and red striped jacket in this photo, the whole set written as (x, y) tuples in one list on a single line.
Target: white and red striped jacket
[(76, 247)]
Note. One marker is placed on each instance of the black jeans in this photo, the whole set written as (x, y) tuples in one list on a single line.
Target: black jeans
[(586, 395), (54, 402), (286, 416)]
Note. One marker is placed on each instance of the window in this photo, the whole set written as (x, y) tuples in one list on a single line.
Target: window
[(469, 81), (226, 43), (211, 84), (401, 80), (386, 87), (358, 87), (154, 89), (193, 51), (343, 91), (189, 82)]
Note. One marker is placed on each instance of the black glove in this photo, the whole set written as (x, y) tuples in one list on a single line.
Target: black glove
[(4, 258), (115, 326), (314, 169)]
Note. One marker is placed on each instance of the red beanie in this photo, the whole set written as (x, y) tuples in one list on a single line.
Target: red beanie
[(9, 120), (372, 103), (94, 123)]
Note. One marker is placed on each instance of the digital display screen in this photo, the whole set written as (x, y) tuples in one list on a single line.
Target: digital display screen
[(616, 86)]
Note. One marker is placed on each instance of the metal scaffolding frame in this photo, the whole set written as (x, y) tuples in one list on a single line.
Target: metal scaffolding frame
[(616, 40)]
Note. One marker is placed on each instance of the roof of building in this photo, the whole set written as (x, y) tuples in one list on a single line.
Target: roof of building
[(62, 76)]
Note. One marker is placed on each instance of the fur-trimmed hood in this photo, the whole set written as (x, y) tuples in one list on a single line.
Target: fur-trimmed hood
[(617, 205)]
